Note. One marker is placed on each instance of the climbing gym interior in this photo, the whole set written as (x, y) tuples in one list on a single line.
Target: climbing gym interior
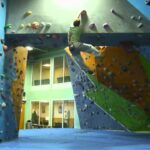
[(48, 101)]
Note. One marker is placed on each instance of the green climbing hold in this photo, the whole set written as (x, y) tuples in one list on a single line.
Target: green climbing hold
[(8, 26)]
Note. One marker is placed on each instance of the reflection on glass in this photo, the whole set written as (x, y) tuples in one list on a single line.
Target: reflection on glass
[(44, 114), (36, 74), (45, 72), (35, 113), (58, 70), (57, 114), (66, 73), (68, 114)]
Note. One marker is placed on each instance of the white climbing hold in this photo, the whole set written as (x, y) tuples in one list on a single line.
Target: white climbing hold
[(3, 105), (139, 18), (140, 25), (133, 17), (42, 24)]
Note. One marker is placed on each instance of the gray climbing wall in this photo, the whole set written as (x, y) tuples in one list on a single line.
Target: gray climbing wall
[(115, 15)]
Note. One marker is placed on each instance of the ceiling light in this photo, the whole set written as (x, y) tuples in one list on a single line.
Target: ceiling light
[(29, 48), (46, 65)]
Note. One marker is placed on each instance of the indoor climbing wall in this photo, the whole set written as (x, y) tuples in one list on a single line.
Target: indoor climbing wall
[(104, 17), (12, 81), (90, 114), (121, 88), (20, 56), (7, 74), (2, 20)]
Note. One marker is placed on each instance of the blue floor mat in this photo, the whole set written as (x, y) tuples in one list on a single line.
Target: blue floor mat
[(75, 139)]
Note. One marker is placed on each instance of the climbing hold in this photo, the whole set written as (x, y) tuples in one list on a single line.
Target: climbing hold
[(8, 26), (140, 25), (13, 32), (139, 18), (92, 26), (105, 25), (83, 13), (5, 47), (2, 41), (111, 74), (28, 25), (28, 13), (42, 24), (124, 68), (1, 89), (105, 69), (133, 17), (113, 11), (35, 25), (21, 26), (2, 76), (147, 2), (2, 4), (3, 105), (48, 25)]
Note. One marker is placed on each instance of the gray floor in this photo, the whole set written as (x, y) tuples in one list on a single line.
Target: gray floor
[(74, 139)]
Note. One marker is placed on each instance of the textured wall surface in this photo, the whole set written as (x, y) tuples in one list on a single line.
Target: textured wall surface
[(20, 56), (90, 115), (122, 89), (61, 14), (7, 118)]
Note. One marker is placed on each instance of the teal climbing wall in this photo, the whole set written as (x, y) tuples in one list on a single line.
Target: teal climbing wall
[(56, 16)]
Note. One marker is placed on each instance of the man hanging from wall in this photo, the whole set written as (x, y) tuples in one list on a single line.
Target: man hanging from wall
[(76, 46)]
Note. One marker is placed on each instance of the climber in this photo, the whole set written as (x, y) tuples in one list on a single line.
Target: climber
[(76, 46)]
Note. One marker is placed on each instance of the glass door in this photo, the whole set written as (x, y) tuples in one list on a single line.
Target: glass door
[(57, 114), (63, 114), (68, 116), (44, 114)]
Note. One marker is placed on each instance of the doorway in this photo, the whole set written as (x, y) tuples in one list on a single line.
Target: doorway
[(63, 114)]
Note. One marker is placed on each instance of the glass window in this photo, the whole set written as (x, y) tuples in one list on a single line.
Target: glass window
[(45, 77), (68, 114), (57, 114), (58, 69), (35, 113), (36, 74), (44, 114), (63, 114), (66, 72)]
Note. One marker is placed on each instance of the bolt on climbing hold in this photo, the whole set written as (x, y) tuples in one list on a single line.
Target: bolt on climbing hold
[(8, 26), (28, 25), (5, 47), (21, 26), (3, 105), (147, 2), (113, 11), (105, 25), (42, 24), (28, 13), (140, 25), (92, 26), (48, 25), (35, 25)]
